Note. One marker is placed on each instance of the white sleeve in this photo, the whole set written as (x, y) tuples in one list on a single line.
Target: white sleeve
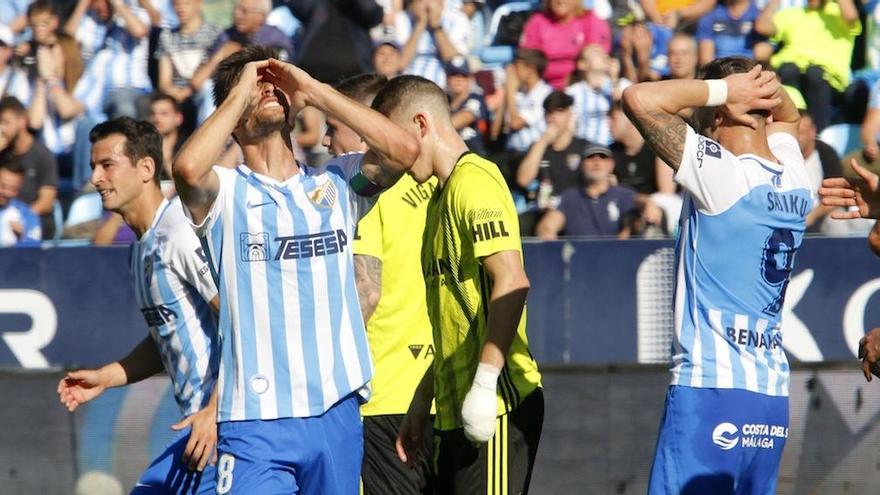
[(710, 174), (191, 262), (224, 176)]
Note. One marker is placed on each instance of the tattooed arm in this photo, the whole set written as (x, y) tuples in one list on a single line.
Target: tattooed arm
[(368, 278), (654, 107)]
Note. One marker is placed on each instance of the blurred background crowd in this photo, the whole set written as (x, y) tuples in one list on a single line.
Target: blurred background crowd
[(535, 86)]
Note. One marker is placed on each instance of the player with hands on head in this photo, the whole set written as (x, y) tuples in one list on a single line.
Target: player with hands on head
[(277, 234), (177, 296), (743, 174)]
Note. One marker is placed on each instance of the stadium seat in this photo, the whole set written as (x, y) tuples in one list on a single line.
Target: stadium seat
[(842, 137), (84, 208), (495, 55)]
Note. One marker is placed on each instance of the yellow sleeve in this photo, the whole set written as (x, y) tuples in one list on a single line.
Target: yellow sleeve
[(368, 236), (782, 20), (487, 215)]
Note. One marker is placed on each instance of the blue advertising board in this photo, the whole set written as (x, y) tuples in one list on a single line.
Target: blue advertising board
[(591, 302)]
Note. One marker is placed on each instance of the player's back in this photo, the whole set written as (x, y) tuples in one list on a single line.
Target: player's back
[(742, 223), (399, 330), (173, 284)]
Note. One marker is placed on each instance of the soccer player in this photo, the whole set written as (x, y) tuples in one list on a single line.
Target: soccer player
[(747, 196), (277, 233), (486, 385), (172, 283), (388, 272)]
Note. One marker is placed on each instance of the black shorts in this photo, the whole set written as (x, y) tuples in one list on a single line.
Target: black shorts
[(382, 472), (500, 467)]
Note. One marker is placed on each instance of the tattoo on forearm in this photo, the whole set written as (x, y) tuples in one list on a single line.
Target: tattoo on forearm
[(665, 133), (368, 278)]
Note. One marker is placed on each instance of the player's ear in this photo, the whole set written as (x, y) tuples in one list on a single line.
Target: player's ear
[(146, 169), (421, 122)]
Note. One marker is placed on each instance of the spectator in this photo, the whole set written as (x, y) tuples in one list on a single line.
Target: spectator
[(58, 118), (40, 185), (643, 55), (470, 116), (728, 30), (475, 10), (683, 58), (19, 226), (817, 45), (113, 37), (248, 28), (524, 94), (386, 58), (676, 14), (560, 30), (336, 39), (635, 165), (13, 15), (432, 34), (166, 116), (592, 92), (552, 164), (180, 51), (13, 81), (598, 208), (821, 162)]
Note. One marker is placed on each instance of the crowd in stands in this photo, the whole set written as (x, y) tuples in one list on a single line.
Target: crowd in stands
[(534, 86)]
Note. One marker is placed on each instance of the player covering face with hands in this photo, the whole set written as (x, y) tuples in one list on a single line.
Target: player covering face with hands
[(859, 197), (277, 234)]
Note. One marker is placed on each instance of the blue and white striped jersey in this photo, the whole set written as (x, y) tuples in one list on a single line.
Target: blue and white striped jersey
[(530, 105), (293, 339), (591, 107), (172, 285), (742, 223)]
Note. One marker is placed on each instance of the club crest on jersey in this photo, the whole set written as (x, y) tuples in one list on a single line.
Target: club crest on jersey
[(254, 247), (324, 195)]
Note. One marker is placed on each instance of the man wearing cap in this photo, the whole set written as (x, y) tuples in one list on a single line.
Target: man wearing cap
[(470, 115), (13, 81), (386, 58), (598, 208)]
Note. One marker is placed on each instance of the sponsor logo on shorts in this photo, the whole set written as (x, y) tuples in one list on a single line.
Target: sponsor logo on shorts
[(750, 435)]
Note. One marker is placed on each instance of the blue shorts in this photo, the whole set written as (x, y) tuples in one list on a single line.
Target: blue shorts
[(167, 474), (315, 455), (719, 441)]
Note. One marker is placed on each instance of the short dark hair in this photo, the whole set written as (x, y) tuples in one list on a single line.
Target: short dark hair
[(557, 100), (159, 96), (406, 89), (10, 163), (535, 58), (362, 87), (41, 6), (12, 104), (229, 70), (142, 140), (719, 69)]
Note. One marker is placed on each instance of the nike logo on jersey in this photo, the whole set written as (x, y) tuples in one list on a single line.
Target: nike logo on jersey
[(257, 205)]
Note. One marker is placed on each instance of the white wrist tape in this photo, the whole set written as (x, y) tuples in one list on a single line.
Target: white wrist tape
[(717, 92), (486, 376), (478, 410)]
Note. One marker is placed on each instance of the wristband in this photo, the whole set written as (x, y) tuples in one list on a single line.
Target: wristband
[(486, 376), (363, 186), (717, 92)]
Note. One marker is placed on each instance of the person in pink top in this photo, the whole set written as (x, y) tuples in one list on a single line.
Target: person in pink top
[(560, 30)]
